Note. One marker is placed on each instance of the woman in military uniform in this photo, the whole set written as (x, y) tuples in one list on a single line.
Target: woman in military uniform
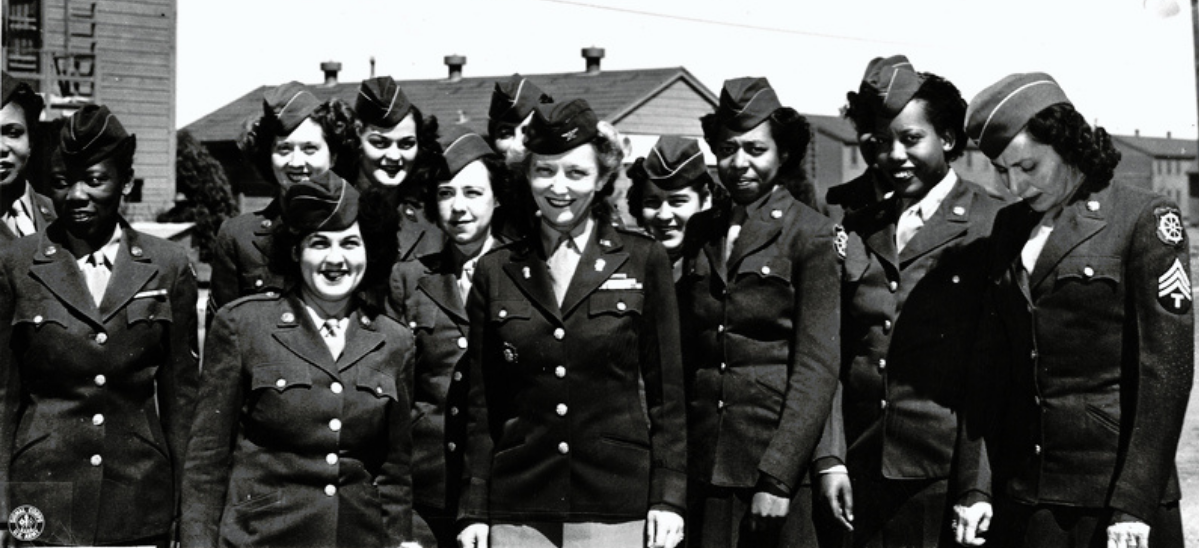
[(759, 297), (97, 355), (429, 294), (23, 210), (512, 104), (668, 187), (296, 138), (912, 294), (576, 428), (1087, 351), (303, 438), (397, 154)]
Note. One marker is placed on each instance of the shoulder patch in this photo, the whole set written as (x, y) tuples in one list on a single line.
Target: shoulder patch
[(1169, 225), (840, 240), (1174, 289)]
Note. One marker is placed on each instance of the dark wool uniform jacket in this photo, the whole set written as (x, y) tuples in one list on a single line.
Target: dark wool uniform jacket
[(96, 400), (762, 349), (424, 295), (242, 255), (294, 448), (908, 329), (418, 235), (1083, 372), (558, 428)]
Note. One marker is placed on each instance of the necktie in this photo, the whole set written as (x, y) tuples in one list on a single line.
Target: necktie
[(907, 226), (334, 338), (19, 220), (467, 277), (97, 271), (561, 265)]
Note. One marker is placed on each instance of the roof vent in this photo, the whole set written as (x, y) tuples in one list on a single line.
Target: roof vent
[(593, 56), (455, 62), (331, 68)]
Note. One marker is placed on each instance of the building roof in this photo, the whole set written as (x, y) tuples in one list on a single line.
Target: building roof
[(835, 127), (613, 94), (1159, 147)]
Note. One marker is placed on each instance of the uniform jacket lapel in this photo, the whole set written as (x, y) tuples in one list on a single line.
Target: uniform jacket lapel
[(266, 227), (131, 270), (296, 332), (1077, 224), (43, 212), (361, 339), (529, 273), (762, 225), (949, 222), (601, 257), (714, 244), (56, 269), (876, 225), (441, 285)]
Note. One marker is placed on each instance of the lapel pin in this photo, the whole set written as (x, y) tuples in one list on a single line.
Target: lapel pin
[(959, 211), (1093, 205), (135, 251), (776, 214), (525, 272), (599, 265), (44, 210), (287, 317), (266, 223), (606, 243), (50, 250)]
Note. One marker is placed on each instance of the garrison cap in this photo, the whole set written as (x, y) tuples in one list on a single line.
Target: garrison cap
[(514, 99), (998, 113), (91, 135), (461, 146), (746, 102), (288, 104), (16, 91), (889, 84), (324, 202), (381, 102), (675, 162), (559, 127)]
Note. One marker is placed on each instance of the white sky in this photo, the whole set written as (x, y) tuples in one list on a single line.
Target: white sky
[(1119, 62)]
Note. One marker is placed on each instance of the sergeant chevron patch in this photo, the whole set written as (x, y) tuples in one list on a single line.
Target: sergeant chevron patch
[(1174, 289)]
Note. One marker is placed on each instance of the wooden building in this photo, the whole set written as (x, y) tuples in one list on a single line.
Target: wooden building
[(1161, 164), (120, 53)]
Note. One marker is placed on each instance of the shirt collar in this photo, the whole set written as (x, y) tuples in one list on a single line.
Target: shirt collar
[(579, 234), (26, 201), (319, 320), (109, 250), (470, 262), (930, 202)]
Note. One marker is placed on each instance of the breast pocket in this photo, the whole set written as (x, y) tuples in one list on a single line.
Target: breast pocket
[(280, 378), (153, 305), (422, 316), (769, 269), (1095, 273), (502, 312)]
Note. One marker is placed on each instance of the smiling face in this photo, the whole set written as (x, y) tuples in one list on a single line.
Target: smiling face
[(564, 185), (1036, 173), (509, 139), (301, 155), (332, 264), (748, 162), (466, 204), (88, 200), (666, 212), (14, 144), (909, 152), (388, 153)]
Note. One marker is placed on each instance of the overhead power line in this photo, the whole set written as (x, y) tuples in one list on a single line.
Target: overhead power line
[(732, 25)]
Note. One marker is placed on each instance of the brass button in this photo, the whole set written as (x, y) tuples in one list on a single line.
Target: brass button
[(720, 328), (453, 411), (559, 333), (411, 325), (97, 419), (451, 446), (560, 372), (765, 270), (96, 460), (330, 490), (462, 342), (956, 279), (882, 363), (882, 404), (720, 404), (621, 306), (561, 410), (1036, 449), (379, 390), (336, 387), (100, 380), (503, 313), (37, 320), (331, 458), (287, 317), (258, 282), (894, 286), (563, 448), (101, 338), (1088, 271), (335, 425), (457, 375), (281, 383), (1033, 354), (724, 366), (887, 326)]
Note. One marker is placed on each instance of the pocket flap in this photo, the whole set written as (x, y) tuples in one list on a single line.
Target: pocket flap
[(1090, 268), (766, 267), (615, 302), (502, 311), (378, 383), (280, 376)]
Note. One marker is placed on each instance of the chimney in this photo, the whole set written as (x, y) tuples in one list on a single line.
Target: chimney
[(455, 63), (1136, 133), (1168, 135), (593, 56), (331, 68), (372, 66)]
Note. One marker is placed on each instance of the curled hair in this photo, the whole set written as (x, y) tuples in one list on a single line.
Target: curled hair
[(1086, 148), (791, 134), (608, 145), (510, 215), (943, 106), (379, 223), (639, 179), (336, 120), (428, 152)]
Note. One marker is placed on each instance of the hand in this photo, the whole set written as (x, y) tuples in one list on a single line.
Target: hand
[(410, 544), (474, 536), (766, 508), (663, 529), (971, 521), (837, 492), (1128, 534)]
